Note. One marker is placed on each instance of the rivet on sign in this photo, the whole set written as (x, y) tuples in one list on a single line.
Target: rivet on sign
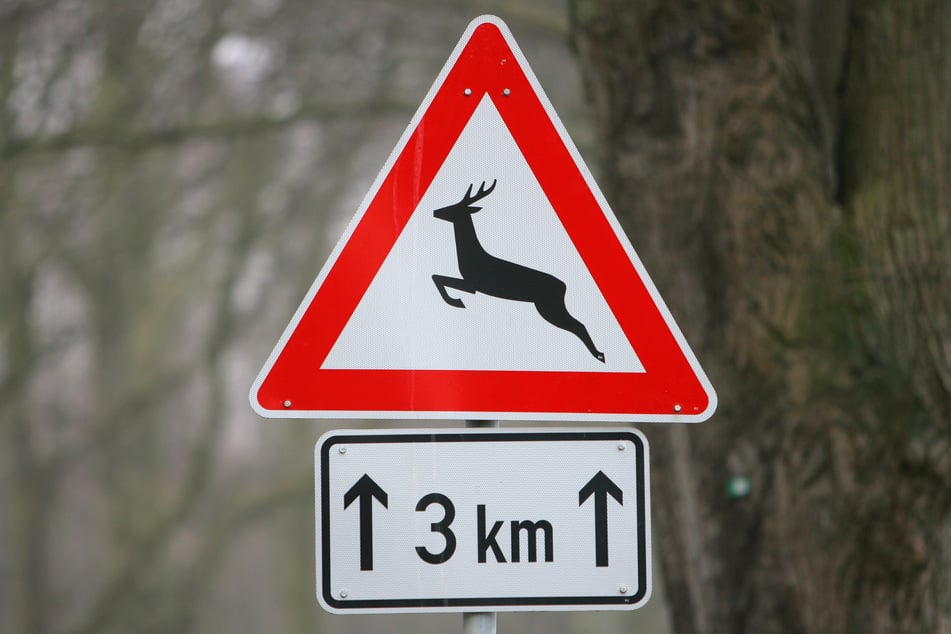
[(467, 92), (506, 92), (623, 589), (287, 403), (677, 407), (342, 450), (344, 593), (620, 446)]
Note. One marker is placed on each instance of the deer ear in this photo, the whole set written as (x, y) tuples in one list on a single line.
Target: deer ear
[(472, 210)]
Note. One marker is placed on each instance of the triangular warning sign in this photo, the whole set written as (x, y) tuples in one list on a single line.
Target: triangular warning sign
[(484, 276)]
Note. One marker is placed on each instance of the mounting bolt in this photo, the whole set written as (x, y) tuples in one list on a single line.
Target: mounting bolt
[(344, 593), (622, 589), (506, 92), (287, 404), (677, 408), (342, 449), (620, 446), (467, 92)]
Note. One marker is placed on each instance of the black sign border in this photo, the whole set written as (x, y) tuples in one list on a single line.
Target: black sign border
[(640, 485)]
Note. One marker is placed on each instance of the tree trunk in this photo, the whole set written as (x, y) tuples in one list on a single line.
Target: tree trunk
[(782, 170)]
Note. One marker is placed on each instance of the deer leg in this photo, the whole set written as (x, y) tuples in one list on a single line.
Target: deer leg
[(555, 313), (443, 281)]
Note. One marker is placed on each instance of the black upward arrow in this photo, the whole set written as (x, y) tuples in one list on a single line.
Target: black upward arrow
[(365, 489), (600, 485)]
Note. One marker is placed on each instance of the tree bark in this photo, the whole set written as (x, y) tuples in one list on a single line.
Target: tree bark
[(781, 169)]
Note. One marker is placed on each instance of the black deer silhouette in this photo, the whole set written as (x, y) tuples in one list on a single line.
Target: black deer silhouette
[(487, 274)]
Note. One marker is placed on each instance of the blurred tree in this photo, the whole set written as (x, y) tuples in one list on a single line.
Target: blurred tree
[(782, 168)]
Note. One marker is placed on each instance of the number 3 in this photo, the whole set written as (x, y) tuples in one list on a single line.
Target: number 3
[(441, 527)]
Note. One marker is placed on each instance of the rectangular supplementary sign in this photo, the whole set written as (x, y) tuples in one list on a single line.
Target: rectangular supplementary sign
[(482, 520)]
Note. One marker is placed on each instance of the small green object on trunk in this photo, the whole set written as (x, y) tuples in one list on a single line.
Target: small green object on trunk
[(738, 486)]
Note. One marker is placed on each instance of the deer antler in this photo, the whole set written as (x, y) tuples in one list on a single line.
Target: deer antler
[(468, 199)]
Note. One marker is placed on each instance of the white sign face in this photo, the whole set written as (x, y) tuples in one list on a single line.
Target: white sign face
[(517, 223), (482, 520)]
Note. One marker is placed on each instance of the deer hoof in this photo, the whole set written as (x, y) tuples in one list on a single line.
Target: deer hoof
[(452, 301), (599, 356)]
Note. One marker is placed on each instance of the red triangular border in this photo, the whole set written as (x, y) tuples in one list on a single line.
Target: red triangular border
[(672, 387)]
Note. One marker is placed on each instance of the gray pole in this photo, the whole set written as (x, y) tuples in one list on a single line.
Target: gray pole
[(479, 622)]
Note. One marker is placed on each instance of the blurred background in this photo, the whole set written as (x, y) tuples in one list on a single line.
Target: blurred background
[(173, 174)]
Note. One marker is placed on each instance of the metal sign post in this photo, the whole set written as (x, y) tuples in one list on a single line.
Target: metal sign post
[(480, 622)]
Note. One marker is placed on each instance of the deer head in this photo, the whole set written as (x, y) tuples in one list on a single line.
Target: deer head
[(464, 206)]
